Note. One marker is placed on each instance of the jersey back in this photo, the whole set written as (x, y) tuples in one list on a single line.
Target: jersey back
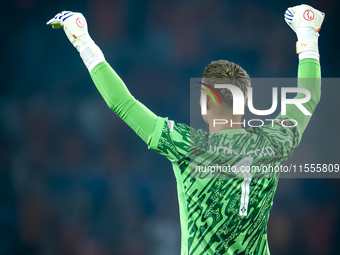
[(226, 183)]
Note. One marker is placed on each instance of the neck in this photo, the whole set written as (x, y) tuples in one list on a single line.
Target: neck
[(225, 122)]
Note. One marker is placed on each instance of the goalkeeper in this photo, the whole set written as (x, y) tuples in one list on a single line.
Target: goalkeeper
[(218, 215)]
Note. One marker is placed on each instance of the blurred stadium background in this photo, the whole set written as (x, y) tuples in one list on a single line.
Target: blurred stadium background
[(75, 180)]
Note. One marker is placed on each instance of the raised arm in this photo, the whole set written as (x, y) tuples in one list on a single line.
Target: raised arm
[(306, 23), (118, 98), (145, 123)]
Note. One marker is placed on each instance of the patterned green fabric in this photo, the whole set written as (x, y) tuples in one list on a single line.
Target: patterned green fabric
[(212, 219), (221, 213)]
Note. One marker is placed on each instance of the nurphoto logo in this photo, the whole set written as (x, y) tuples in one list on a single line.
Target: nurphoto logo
[(239, 103)]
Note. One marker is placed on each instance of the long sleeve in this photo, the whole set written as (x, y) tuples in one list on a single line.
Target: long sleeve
[(144, 122), (309, 77)]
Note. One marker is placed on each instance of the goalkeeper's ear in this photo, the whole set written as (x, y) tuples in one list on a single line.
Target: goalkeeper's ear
[(209, 102)]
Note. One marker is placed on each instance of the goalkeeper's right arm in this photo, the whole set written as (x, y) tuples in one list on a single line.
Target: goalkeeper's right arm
[(119, 99), (111, 87)]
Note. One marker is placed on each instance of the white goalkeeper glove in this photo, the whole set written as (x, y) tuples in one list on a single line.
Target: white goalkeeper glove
[(75, 27), (306, 23)]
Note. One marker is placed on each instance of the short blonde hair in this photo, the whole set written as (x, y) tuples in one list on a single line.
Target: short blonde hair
[(226, 72)]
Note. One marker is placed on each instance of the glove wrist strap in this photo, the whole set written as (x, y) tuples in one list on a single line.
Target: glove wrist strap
[(91, 55), (307, 48)]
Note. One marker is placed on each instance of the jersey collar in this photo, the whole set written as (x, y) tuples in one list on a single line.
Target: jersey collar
[(232, 131)]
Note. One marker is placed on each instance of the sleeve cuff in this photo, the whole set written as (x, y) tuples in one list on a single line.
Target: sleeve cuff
[(157, 133)]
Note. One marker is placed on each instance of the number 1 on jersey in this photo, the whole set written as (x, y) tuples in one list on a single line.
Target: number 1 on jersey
[(247, 161)]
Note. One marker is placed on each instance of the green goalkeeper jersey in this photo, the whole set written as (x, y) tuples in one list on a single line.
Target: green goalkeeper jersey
[(226, 213)]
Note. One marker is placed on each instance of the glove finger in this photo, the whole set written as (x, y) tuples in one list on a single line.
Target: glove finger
[(288, 17), (50, 22), (63, 14), (290, 11), (60, 14), (55, 23), (289, 14), (66, 16), (293, 9), (54, 20)]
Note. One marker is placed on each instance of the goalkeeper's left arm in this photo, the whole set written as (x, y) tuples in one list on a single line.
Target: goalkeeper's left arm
[(144, 122), (306, 23)]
